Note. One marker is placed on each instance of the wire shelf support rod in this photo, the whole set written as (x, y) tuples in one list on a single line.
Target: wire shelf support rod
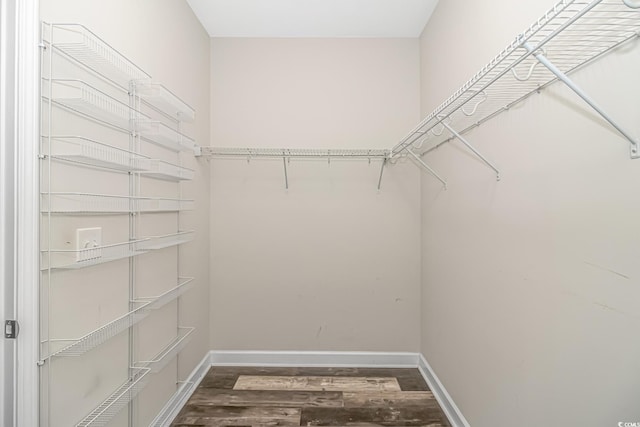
[(426, 167), (582, 94), (470, 147)]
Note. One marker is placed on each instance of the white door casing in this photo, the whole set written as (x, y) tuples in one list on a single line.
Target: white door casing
[(7, 348), (19, 217)]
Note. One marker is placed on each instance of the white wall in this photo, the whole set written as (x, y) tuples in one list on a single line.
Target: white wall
[(330, 264), (166, 40), (530, 285)]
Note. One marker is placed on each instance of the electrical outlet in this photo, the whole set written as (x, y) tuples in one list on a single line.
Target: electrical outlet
[(88, 243)]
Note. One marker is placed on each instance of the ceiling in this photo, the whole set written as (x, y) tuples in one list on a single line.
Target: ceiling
[(313, 18)]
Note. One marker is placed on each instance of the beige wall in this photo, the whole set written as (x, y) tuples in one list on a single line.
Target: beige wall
[(166, 40), (330, 264), (530, 285)]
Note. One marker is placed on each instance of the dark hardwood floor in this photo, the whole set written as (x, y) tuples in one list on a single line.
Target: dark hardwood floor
[(247, 396)]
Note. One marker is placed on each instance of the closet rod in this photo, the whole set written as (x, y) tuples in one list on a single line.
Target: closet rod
[(301, 153), (286, 154)]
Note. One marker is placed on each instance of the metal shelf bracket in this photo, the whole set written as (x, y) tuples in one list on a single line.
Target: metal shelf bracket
[(427, 168), (384, 163), (470, 147), (634, 149), (286, 176)]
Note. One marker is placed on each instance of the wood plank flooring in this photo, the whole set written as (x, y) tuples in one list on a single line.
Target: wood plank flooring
[(248, 396)]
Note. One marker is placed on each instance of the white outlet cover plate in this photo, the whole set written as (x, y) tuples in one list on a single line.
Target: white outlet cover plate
[(87, 240)]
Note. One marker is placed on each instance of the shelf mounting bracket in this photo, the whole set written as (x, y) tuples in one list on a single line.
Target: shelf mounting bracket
[(427, 168), (470, 147), (634, 148), (384, 163), (286, 177)]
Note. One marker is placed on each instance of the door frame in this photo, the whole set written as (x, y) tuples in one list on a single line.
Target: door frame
[(20, 212), (7, 127)]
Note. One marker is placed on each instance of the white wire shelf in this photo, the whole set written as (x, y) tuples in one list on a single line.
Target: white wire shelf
[(79, 346), (85, 203), (80, 203), (79, 96), (570, 35), (169, 352), (93, 153), (144, 306), (306, 153), (117, 401), (163, 99), (159, 301), (67, 259), (156, 204), (161, 134), (166, 241), (168, 171), (83, 46)]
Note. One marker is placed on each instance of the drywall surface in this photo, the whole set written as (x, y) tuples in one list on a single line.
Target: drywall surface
[(166, 40), (331, 263), (531, 284)]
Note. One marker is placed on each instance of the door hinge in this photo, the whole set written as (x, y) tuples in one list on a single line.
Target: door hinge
[(11, 329)]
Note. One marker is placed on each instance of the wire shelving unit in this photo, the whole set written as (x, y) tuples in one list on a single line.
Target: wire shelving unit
[(569, 36), (100, 113)]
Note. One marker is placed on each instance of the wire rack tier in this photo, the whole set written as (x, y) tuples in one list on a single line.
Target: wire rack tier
[(158, 96), (160, 134), (166, 241), (144, 306), (170, 351), (118, 400), (85, 99), (79, 346), (570, 35), (88, 50), (73, 259), (83, 150), (159, 301), (168, 171), (80, 203)]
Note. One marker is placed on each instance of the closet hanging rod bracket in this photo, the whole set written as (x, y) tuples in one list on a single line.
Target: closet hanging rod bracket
[(634, 149)]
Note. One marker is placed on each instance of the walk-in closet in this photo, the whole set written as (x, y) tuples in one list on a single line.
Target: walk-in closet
[(320, 212)]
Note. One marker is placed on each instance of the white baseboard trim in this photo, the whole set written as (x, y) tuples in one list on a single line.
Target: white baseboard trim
[(447, 404), (180, 398), (338, 359)]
